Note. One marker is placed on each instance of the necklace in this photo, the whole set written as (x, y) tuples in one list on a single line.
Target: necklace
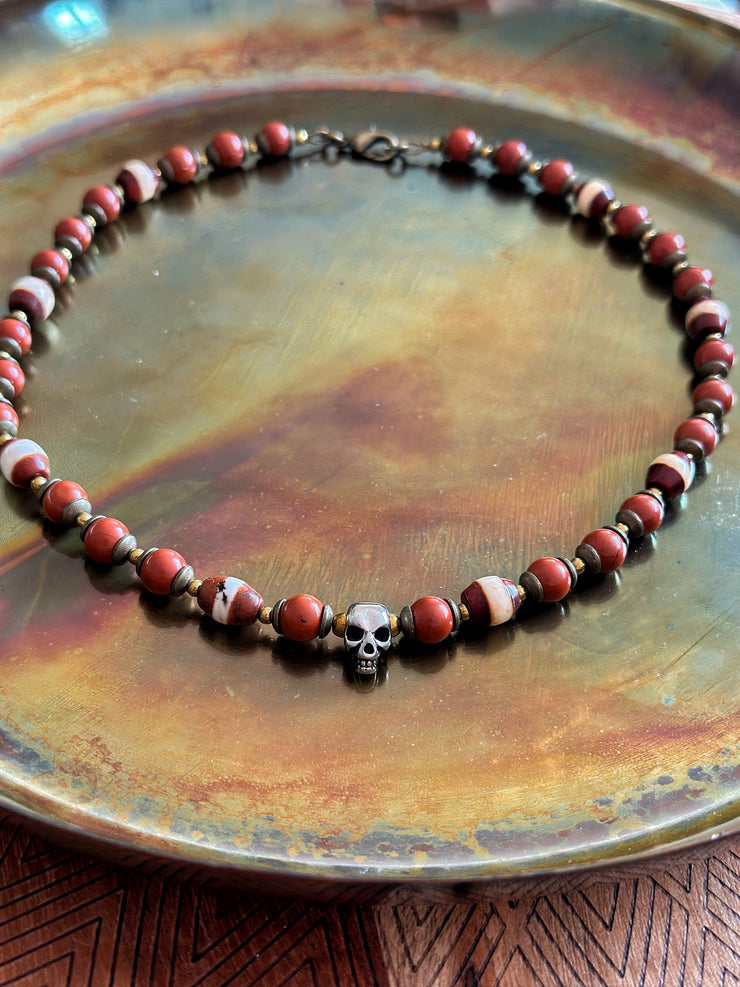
[(369, 628)]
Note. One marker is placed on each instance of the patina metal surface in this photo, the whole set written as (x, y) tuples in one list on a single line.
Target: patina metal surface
[(367, 385)]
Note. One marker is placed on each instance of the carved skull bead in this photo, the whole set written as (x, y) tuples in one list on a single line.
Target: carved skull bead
[(367, 635)]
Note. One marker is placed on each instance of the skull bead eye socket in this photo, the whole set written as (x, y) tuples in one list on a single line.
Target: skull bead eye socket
[(353, 634), (383, 635)]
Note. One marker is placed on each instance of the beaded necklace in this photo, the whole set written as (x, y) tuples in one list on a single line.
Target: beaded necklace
[(368, 628)]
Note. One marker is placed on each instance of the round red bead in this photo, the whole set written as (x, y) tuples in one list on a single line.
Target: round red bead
[(554, 577), (105, 199), (511, 157), (717, 354), (56, 497), (433, 619), (556, 177), (698, 430), (8, 416), (101, 536), (609, 546), (226, 150), (300, 617), (16, 331), (275, 139), (179, 165), (649, 509), (692, 283), (10, 371), (159, 568), (666, 249), (50, 265), (716, 390), (630, 222), (73, 233), (460, 145)]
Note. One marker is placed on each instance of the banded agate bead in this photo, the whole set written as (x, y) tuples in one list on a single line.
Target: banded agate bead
[(593, 198), (21, 460), (705, 317), (491, 600), (138, 180), (229, 600), (34, 296), (672, 473)]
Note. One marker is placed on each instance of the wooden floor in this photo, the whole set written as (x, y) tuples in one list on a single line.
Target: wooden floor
[(69, 919)]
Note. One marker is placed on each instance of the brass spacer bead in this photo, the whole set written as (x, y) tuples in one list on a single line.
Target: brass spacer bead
[(579, 565), (193, 587), (82, 518), (338, 624), (522, 593), (395, 624), (677, 268), (134, 555), (486, 151), (534, 168), (4, 437), (612, 207), (37, 483), (265, 615), (623, 528), (434, 144), (253, 147), (301, 136), (464, 612)]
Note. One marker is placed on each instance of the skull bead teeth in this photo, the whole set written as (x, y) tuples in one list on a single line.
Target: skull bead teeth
[(367, 636)]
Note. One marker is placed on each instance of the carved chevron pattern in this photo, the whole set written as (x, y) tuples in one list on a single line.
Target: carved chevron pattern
[(68, 920)]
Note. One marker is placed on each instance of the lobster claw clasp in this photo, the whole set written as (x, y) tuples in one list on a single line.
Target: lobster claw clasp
[(376, 145)]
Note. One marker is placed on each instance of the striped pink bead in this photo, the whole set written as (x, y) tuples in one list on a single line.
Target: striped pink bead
[(491, 600), (672, 473), (34, 297), (21, 460), (138, 181), (593, 197), (705, 317), (229, 600)]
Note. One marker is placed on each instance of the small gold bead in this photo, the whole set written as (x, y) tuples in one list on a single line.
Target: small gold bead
[(264, 615), (82, 518), (253, 147), (338, 624), (677, 268), (579, 565), (647, 236), (623, 528), (612, 207), (534, 168), (301, 136), (193, 586), (656, 492), (395, 625), (464, 612), (37, 483), (134, 555), (486, 151), (434, 144), (4, 437), (522, 593)]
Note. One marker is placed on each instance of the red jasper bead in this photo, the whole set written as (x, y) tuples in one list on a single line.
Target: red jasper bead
[(103, 202), (461, 144), (74, 234), (556, 177), (697, 436), (433, 619), (649, 509), (100, 537), (179, 165), (610, 547), (15, 335), (8, 417), (57, 497), (11, 378), (159, 568), (692, 283), (226, 150), (713, 395), (512, 157), (666, 249), (300, 617), (275, 139), (51, 266), (714, 356), (554, 577), (630, 222)]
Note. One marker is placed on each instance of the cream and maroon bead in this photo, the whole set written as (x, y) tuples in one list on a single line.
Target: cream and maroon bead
[(714, 357), (642, 513), (276, 139), (491, 600), (8, 418), (696, 436), (666, 250), (227, 150), (34, 297), (631, 222), (707, 317), (163, 571), (103, 203), (179, 165), (604, 550), (556, 177), (138, 180), (430, 619), (548, 580), (51, 266), (12, 378), (301, 618), (692, 283), (713, 396), (15, 336), (512, 157), (21, 460), (593, 197), (107, 540), (461, 145), (229, 600), (672, 473), (63, 500), (73, 234)]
